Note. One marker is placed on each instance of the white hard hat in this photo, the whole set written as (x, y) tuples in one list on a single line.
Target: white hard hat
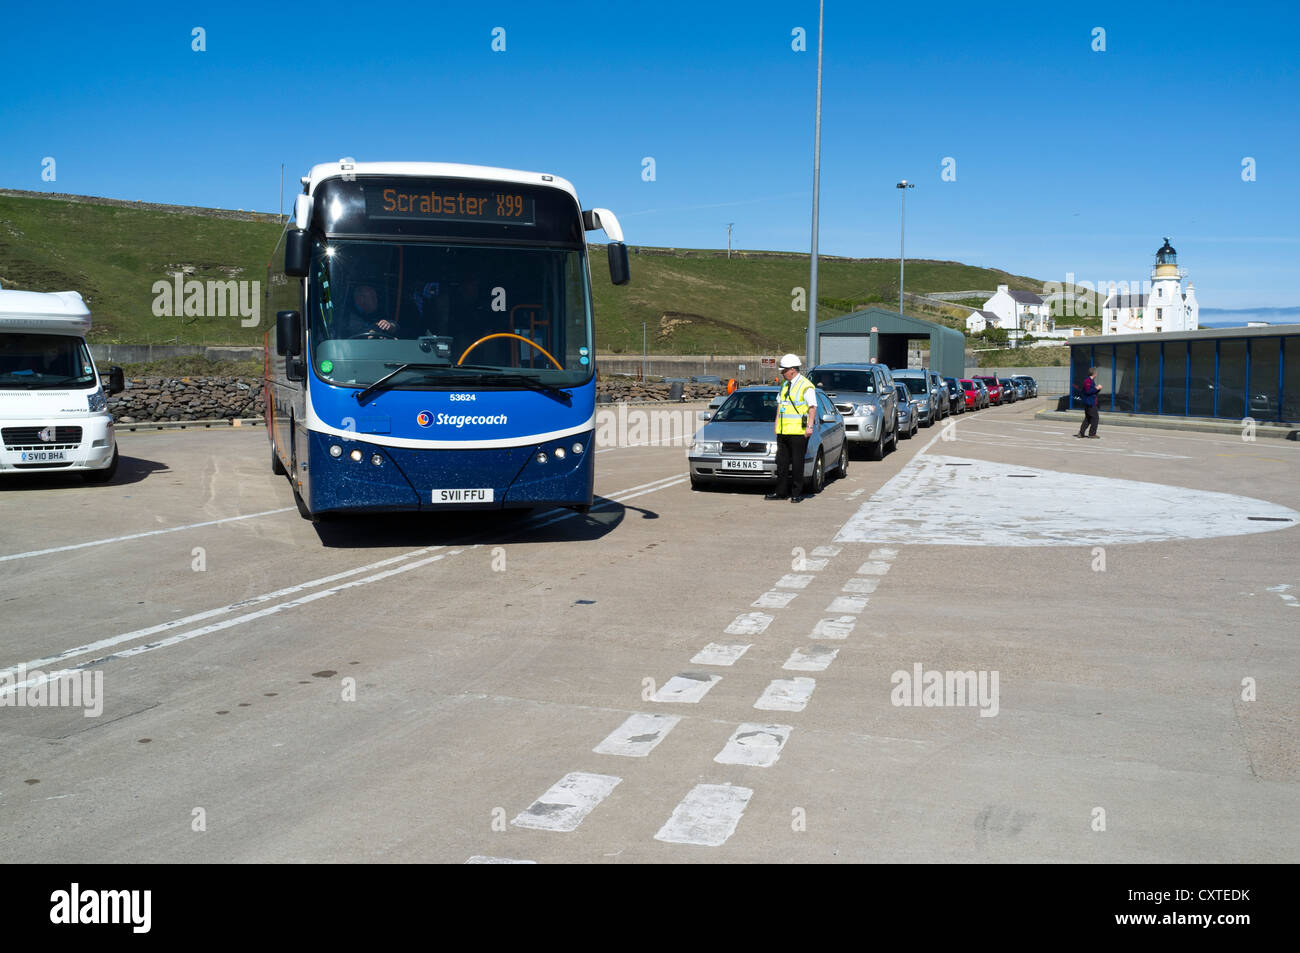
[(790, 360)]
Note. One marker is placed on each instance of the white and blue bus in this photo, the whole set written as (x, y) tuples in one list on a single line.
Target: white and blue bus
[(432, 346)]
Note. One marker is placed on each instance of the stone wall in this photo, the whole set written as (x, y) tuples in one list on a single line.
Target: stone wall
[(187, 398)]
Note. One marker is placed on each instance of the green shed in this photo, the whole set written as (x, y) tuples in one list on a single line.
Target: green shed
[(884, 335)]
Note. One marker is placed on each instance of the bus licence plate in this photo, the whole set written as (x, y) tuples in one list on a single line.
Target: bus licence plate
[(742, 464), (463, 496), (45, 456)]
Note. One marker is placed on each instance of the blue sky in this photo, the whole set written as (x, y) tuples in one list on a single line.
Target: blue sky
[(1066, 159)]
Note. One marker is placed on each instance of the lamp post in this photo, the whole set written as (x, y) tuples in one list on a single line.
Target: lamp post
[(730, 225), (817, 178), (902, 225)]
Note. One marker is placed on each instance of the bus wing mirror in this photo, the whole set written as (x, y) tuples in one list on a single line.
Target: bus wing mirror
[(116, 380), (288, 333), (619, 273), (297, 252)]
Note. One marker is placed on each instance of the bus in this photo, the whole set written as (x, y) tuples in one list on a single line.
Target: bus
[(432, 346)]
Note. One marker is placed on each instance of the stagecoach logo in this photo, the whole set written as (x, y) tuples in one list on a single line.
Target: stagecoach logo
[(424, 418)]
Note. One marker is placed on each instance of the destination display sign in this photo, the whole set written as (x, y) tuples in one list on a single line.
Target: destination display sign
[(449, 203)]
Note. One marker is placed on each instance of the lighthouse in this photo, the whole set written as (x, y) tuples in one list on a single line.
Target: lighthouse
[(1165, 308)]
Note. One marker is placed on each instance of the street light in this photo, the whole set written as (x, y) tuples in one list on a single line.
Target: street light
[(904, 185)]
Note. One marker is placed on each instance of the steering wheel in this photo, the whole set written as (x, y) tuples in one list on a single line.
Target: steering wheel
[(373, 334), (517, 337)]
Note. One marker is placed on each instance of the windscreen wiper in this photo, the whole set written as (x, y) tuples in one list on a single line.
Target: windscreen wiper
[(531, 383), (363, 396)]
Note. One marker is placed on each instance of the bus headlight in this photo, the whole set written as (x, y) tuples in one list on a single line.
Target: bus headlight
[(577, 448), (356, 456), (559, 453), (336, 450), (377, 460), (541, 456)]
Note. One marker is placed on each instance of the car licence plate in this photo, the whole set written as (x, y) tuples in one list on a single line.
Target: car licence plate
[(742, 464), (483, 495), (44, 456)]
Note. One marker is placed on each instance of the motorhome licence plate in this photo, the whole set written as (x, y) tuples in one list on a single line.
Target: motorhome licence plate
[(45, 456)]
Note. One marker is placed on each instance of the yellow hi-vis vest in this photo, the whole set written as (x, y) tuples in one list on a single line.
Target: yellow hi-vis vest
[(794, 405)]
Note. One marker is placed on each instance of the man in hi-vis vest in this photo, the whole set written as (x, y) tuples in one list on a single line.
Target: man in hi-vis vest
[(796, 414)]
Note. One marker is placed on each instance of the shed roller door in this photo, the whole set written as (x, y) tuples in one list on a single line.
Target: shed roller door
[(845, 348)]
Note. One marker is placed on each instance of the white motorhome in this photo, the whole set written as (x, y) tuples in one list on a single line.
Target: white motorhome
[(53, 411)]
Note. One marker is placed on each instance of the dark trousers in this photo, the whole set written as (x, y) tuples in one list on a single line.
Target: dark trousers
[(1089, 417), (790, 448)]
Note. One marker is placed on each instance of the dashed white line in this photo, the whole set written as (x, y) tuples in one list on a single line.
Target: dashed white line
[(786, 694), (567, 802), (794, 581), (840, 628), (481, 859), (754, 745), (882, 553), (813, 659), (847, 604), (707, 816), (750, 623), (720, 653), (774, 600), (637, 736), (874, 567), (687, 688), (827, 550), (861, 586)]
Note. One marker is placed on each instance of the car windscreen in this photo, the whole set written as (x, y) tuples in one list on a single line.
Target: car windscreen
[(748, 407), (834, 381), (31, 361), (916, 385), (968, 385)]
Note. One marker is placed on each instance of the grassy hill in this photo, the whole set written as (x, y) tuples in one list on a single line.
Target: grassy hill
[(692, 301)]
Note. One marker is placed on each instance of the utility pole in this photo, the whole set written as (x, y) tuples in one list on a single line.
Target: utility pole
[(817, 178), (281, 193), (643, 352), (902, 228), (730, 225)]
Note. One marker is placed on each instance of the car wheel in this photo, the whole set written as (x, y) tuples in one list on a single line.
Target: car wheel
[(842, 471), (876, 449), (104, 475), (819, 473), (698, 484)]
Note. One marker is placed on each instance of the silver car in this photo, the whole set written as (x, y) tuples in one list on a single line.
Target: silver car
[(864, 396), (908, 416), (738, 443), (917, 381)]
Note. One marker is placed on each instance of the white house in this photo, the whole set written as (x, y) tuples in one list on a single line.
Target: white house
[(1165, 308), (1019, 310), (979, 320)]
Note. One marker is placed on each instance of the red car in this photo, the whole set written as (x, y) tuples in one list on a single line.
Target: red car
[(974, 399), (994, 389)]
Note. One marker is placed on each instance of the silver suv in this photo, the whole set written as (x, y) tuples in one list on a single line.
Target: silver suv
[(864, 395)]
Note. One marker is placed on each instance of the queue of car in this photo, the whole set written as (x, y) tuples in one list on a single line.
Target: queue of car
[(866, 406)]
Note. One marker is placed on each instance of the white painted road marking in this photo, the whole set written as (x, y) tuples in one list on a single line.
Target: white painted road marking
[(751, 623), (794, 581), (827, 550), (637, 736), (847, 604), (882, 553), (930, 502), (567, 802), (839, 628), (481, 859), (786, 694), (688, 687), (774, 600), (707, 816), (861, 586), (155, 532), (758, 746), (814, 659), (808, 564), (873, 568), (720, 653)]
